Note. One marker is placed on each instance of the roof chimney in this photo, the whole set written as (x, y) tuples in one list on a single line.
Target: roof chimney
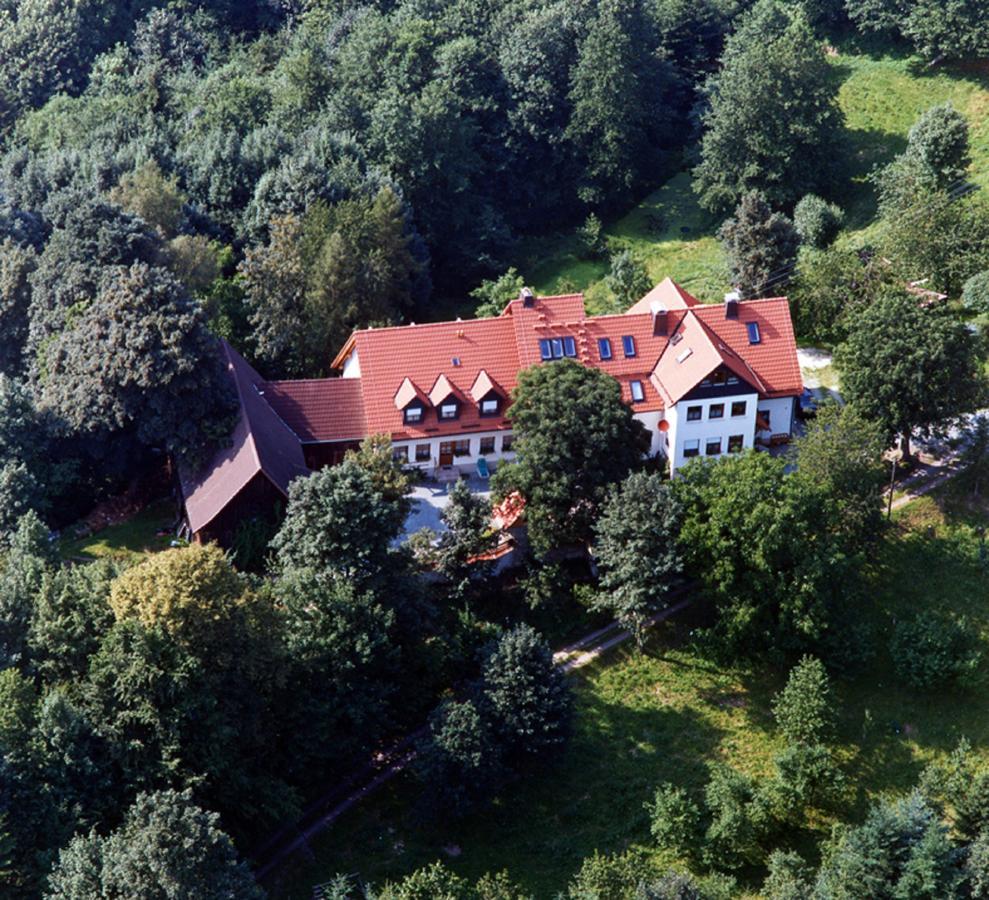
[(731, 304), (659, 317), (527, 297)]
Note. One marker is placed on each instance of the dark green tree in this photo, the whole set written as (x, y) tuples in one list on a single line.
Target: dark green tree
[(789, 877), (613, 93), (493, 295), (817, 221), (338, 522), (947, 29), (459, 762), (760, 245), (804, 709), (628, 279), (975, 293), (27, 562), (840, 453), (167, 847), (908, 368), (938, 143), (901, 850), (575, 439), (772, 118), (16, 264), (139, 359), (469, 533), (636, 549), (526, 697)]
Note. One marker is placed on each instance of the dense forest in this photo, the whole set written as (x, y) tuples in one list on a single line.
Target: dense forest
[(276, 173)]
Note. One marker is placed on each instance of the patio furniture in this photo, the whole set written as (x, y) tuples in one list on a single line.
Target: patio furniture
[(482, 468)]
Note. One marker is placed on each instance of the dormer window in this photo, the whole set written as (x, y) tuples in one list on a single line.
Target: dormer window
[(413, 414), (487, 394), (449, 410), (489, 407)]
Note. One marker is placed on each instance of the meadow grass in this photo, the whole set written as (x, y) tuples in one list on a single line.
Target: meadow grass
[(130, 541), (669, 714)]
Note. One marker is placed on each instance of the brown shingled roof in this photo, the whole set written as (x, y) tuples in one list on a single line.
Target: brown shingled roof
[(319, 409), (261, 442)]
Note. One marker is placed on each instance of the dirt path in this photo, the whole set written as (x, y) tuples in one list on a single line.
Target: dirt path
[(384, 766)]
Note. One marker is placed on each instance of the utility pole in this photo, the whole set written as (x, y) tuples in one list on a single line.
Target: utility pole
[(892, 480)]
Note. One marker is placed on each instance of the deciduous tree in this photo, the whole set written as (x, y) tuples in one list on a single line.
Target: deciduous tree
[(575, 439), (636, 549)]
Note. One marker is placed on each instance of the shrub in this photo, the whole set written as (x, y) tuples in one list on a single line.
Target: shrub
[(591, 235), (675, 820), (977, 866), (975, 293), (628, 279), (806, 775), (929, 650), (789, 877), (737, 825), (804, 708), (817, 221)]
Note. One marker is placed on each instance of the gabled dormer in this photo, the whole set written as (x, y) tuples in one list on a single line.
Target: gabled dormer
[(488, 395), (411, 402), (446, 399)]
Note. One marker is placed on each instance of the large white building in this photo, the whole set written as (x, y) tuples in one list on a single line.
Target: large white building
[(704, 379)]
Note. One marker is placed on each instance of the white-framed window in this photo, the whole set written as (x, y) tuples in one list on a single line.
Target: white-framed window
[(448, 411), (692, 447), (753, 329), (604, 348), (461, 448), (569, 346), (545, 349), (628, 345), (423, 452), (638, 395), (413, 414), (489, 407), (487, 446)]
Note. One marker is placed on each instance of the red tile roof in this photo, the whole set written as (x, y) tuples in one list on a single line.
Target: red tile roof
[(774, 358), (261, 442), (319, 409)]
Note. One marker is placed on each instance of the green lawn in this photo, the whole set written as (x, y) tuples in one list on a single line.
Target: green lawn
[(129, 541), (668, 713), (882, 92)]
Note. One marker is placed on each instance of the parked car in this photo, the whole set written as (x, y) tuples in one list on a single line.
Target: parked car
[(808, 404)]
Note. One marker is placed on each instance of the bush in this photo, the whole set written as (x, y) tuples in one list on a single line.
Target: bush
[(806, 776), (804, 708), (975, 293), (675, 820), (789, 877), (930, 650), (628, 279), (736, 826), (817, 221), (977, 866), (591, 235)]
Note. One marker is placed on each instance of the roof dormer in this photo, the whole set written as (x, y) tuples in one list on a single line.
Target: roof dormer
[(446, 398), (487, 394), (411, 402)]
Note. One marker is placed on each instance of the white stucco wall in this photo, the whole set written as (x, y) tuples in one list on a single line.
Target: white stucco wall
[(465, 463), (651, 422), (682, 430), (351, 366), (780, 416)]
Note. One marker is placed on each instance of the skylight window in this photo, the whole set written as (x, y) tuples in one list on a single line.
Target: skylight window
[(545, 349), (557, 348), (569, 346), (628, 345), (637, 393), (604, 348), (753, 329), (684, 355)]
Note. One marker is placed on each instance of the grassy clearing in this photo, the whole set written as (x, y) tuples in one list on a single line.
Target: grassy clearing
[(668, 714), (882, 91), (129, 541)]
